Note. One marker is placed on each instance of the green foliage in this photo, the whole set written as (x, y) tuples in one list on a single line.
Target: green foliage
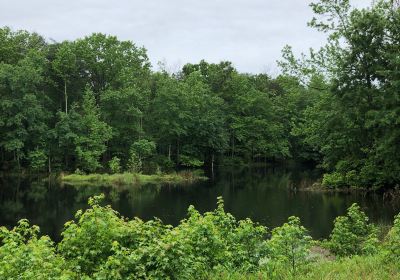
[(353, 234), (37, 160), (79, 172), (87, 243), (333, 180), (23, 255), (289, 248), (143, 148), (392, 242), (354, 122), (356, 267), (23, 118), (92, 134), (131, 179), (190, 161), (115, 165), (100, 244), (134, 163), (164, 162), (103, 244), (316, 110)]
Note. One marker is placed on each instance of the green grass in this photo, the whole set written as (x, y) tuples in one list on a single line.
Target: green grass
[(131, 179), (351, 268), (357, 267)]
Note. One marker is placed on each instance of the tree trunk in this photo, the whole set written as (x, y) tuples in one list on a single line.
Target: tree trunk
[(66, 97), (233, 146), (140, 127), (177, 151), (212, 165), (49, 169)]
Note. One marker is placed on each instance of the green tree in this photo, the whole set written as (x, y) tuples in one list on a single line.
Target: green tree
[(124, 110), (170, 114), (107, 63), (92, 136), (143, 148), (65, 66), (354, 124), (23, 117)]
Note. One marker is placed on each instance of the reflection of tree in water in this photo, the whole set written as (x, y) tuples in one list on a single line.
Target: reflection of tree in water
[(37, 191), (143, 194)]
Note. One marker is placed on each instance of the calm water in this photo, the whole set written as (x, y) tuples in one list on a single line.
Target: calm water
[(266, 195)]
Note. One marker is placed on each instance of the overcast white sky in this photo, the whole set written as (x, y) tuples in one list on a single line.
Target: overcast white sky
[(250, 33)]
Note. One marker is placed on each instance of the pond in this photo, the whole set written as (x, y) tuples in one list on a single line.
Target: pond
[(268, 195)]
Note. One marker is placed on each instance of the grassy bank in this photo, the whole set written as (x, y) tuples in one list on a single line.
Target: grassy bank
[(131, 179)]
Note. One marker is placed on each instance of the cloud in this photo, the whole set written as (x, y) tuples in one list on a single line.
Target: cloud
[(250, 33)]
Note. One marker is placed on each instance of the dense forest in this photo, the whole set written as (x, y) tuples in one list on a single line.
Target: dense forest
[(95, 104)]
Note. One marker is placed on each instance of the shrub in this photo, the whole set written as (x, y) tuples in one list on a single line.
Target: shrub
[(134, 163), (333, 180), (115, 165), (87, 243), (353, 234), (199, 244), (289, 247), (101, 244), (79, 172), (392, 242), (25, 256)]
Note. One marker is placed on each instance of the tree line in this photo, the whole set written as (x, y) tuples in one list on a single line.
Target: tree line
[(79, 104), (84, 103)]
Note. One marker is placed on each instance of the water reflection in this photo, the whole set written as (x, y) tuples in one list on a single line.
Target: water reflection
[(266, 195)]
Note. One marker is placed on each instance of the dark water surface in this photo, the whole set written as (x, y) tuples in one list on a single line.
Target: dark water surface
[(266, 195)]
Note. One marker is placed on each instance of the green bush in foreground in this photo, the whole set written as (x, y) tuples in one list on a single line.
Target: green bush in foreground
[(101, 244), (353, 234), (23, 255), (289, 246), (392, 242)]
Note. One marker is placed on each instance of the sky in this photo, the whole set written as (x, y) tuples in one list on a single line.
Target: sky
[(250, 33)]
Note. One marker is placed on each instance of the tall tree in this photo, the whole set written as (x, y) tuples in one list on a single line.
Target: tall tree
[(65, 66)]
